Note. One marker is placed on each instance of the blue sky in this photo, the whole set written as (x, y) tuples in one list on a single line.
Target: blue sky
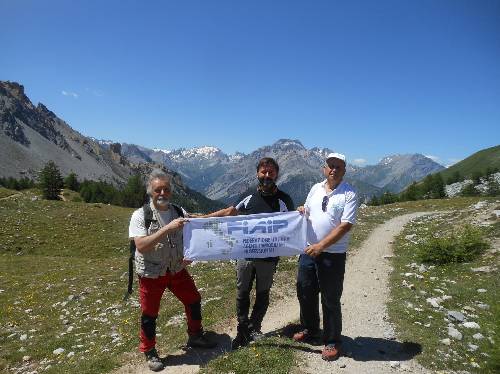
[(366, 78)]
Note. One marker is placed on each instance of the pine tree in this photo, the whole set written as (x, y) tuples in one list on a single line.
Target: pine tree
[(71, 182), (51, 181), (134, 193)]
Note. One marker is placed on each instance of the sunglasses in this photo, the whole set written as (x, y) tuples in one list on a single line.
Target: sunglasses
[(324, 203)]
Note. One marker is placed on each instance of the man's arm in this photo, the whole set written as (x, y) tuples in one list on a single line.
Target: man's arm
[(334, 236), (147, 243), (229, 211)]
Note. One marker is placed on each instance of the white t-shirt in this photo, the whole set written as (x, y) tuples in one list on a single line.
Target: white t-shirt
[(341, 207), (167, 254)]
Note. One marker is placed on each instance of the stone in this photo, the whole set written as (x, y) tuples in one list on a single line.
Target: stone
[(478, 336), (446, 341), (58, 351), (434, 301), (23, 337), (483, 306), (481, 290), (456, 316), (470, 325), (454, 333), (483, 269), (395, 364), (473, 347)]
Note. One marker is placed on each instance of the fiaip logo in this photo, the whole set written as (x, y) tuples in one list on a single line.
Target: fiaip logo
[(264, 227)]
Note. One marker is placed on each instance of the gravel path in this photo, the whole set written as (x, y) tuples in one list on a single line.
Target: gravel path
[(369, 341)]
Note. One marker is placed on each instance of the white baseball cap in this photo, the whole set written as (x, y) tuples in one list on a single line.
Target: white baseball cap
[(340, 156)]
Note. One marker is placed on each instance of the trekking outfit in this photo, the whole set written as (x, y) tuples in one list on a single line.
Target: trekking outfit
[(324, 273), (162, 268), (260, 269)]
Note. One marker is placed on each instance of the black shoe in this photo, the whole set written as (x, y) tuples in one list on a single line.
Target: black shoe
[(153, 360), (241, 340), (200, 341), (256, 335)]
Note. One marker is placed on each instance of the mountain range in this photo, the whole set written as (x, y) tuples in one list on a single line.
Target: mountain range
[(32, 135), (226, 177)]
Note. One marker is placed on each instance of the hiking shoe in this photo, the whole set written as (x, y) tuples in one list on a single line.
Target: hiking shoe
[(331, 352), (241, 340), (200, 341), (153, 360), (256, 335), (305, 336)]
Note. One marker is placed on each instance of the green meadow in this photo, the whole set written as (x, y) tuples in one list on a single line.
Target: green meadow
[(63, 274)]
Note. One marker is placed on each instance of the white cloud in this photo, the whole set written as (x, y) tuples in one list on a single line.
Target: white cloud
[(433, 158), (72, 94), (359, 161)]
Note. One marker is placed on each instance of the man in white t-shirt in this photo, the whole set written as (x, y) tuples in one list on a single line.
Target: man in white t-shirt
[(159, 265), (331, 210)]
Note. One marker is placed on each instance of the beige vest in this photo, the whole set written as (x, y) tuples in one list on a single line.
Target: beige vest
[(167, 254)]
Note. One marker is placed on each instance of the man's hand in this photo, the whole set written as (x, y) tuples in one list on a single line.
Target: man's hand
[(313, 250), (301, 209), (176, 224)]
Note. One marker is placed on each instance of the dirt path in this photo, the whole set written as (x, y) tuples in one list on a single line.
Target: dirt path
[(11, 196), (369, 340)]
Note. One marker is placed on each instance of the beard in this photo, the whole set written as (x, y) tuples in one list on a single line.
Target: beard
[(162, 201), (266, 182)]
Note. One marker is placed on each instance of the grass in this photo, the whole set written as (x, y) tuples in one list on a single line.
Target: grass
[(416, 320), (5, 192), (273, 355), (63, 275)]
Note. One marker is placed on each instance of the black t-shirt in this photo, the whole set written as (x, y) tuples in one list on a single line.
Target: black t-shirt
[(260, 203)]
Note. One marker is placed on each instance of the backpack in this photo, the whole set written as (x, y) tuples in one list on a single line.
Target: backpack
[(148, 218)]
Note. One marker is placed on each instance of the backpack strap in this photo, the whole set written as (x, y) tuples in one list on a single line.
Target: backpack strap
[(178, 210), (148, 218)]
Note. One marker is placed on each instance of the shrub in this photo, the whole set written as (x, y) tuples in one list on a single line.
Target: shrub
[(461, 246)]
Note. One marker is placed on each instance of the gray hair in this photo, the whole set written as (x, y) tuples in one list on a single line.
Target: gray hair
[(156, 174)]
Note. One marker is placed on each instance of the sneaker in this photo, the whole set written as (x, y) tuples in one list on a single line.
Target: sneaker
[(305, 336), (200, 341), (241, 340), (331, 352), (153, 360)]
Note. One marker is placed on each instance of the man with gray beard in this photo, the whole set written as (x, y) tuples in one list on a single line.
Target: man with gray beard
[(159, 265)]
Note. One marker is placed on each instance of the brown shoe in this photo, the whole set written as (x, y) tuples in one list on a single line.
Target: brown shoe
[(331, 352), (305, 336)]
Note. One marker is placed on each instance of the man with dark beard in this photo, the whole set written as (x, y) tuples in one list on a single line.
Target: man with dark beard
[(267, 199), (159, 265)]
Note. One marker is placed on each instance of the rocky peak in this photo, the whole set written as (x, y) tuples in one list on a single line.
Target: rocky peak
[(288, 144), (45, 111), (116, 148), (13, 89)]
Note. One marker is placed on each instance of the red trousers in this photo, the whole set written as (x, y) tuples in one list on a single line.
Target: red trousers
[(151, 290)]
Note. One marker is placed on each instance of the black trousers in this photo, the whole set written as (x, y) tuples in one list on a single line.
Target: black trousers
[(323, 274)]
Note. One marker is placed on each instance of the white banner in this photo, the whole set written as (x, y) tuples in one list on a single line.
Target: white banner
[(250, 236)]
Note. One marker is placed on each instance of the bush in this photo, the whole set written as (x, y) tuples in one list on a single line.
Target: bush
[(76, 199), (461, 246)]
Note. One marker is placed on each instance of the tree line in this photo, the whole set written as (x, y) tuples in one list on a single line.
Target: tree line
[(433, 187), (51, 183)]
